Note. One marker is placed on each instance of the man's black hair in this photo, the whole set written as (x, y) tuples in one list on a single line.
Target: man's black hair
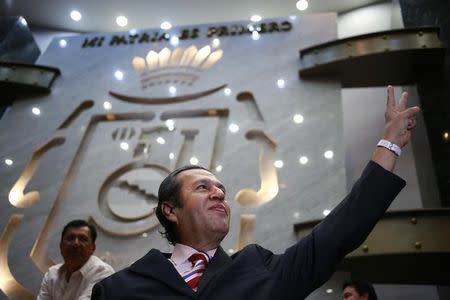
[(362, 287), (80, 223), (169, 191)]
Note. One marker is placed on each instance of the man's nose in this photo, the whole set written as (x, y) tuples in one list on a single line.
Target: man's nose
[(218, 193)]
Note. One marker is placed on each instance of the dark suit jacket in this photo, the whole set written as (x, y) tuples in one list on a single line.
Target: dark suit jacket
[(257, 273)]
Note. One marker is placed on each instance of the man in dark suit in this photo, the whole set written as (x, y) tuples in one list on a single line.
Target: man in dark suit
[(195, 215)]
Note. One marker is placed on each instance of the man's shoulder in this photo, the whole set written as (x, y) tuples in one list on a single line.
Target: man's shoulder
[(95, 264)]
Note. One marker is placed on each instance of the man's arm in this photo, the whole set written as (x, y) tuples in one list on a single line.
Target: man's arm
[(399, 121)]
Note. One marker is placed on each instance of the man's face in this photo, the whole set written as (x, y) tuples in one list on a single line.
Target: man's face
[(349, 293), (203, 215), (76, 245)]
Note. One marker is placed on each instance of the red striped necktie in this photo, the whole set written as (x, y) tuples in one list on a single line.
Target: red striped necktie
[(199, 263)]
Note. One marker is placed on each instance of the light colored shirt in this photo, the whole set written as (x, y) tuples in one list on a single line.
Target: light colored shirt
[(181, 254), (79, 287)]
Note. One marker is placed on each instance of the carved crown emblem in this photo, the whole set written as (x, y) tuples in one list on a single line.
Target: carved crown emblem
[(180, 66)]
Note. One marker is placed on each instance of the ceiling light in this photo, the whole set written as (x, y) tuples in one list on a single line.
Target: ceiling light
[(75, 15), (23, 21), (144, 235), (328, 154), (233, 127), (292, 17), (303, 160), (36, 111), (8, 162), (329, 291), (122, 21), (326, 212), (174, 40), (107, 105), (160, 140), (446, 135), (296, 214), (172, 90), (170, 124), (281, 83), (216, 43), (302, 4), (193, 160), (298, 118), (171, 155), (133, 31), (62, 43), (230, 251), (124, 146), (118, 74), (165, 25), (227, 91), (219, 168), (255, 18), (278, 164), (255, 35)]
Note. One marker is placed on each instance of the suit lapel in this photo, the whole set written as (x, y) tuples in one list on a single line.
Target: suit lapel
[(218, 263), (157, 266)]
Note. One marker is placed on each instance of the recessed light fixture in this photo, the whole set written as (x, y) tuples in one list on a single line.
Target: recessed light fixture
[(133, 31), (8, 162), (124, 146), (75, 15), (193, 160), (302, 4), (171, 155), (281, 83), (303, 160), (328, 154), (122, 21), (219, 168), (36, 111), (118, 74), (165, 25), (445, 135), (255, 35), (160, 140), (23, 21), (298, 118), (278, 164), (296, 214), (255, 18), (170, 124), (326, 212), (233, 127), (172, 90), (329, 291), (227, 91), (107, 105), (62, 43), (216, 42), (174, 40)]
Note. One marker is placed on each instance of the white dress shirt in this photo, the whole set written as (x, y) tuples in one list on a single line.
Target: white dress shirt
[(181, 254), (79, 287)]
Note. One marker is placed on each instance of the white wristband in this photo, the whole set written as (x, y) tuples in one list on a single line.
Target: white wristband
[(391, 146)]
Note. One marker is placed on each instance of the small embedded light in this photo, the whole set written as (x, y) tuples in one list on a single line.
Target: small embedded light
[(122, 21), (233, 127), (296, 214), (8, 162), (165, 25), (144, 235), (107, 105), (278, 164), (298, 118), (293, 18), (255, 18), (160, 140), (118, 74), (36, 111), (171, 155), (230, 251), (216, 43), (23, 21), (446, 136), (62, 43), (174, 40), (133, 31), (227, 91), (193, 160), (281, 83), (172, 90), (329, 291), (124, 146), (302, 4), (251, 28), (326, 212), (255, 35), (303, 160), (170, 124), (219, 168), (75, 15), (328, 154)]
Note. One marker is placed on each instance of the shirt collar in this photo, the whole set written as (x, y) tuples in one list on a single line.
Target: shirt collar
[(181, 253), (83, 270)]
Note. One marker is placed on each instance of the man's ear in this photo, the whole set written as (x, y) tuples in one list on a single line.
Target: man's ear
[(168, 211)]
